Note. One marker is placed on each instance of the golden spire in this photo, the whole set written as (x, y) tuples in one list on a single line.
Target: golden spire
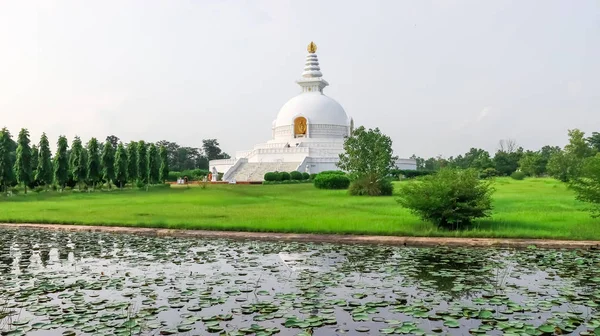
[(312, 47)]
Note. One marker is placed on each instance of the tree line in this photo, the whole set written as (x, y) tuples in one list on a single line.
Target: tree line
[(561, 163), (86, 166)]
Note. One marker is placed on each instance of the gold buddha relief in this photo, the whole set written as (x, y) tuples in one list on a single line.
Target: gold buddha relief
[(300, 126)]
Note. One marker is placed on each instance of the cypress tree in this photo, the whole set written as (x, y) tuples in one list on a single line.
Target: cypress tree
[(7, 176), (35, 153), (142, 162), (120, 168), (77, 162), (22, 166), (132, 162), (93, 162), (153, 164), (108, 162), (164, 164), (43, 172), (61, 163)]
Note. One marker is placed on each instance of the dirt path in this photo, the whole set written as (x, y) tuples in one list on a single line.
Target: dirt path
[(324, 238)]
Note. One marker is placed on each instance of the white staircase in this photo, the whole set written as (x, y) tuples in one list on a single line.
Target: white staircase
[(255, 171)]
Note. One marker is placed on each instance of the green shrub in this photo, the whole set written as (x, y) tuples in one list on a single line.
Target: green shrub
[(312, 176), (398, 173), (518, 175), (450, 199), (173, 176), (305, 176), (370, 186), (331, 181), (39, 189), (335, 172), (194, 174), (488, 173), (270, 177), (285, 176), (296, 175), (587, 184)]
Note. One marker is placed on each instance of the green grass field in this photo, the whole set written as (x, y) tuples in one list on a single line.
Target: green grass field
[(533, 208)]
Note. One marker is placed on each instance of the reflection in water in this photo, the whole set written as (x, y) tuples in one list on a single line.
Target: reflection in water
[(55, 282)]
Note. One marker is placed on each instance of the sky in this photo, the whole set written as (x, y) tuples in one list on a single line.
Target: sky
[(438, 77)]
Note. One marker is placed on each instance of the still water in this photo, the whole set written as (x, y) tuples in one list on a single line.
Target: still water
[(58, 283)]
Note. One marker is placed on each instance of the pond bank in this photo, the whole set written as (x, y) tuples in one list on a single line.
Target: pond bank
[(323, 238)]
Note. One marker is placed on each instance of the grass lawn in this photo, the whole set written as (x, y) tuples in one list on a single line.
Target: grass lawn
[(533, 208)]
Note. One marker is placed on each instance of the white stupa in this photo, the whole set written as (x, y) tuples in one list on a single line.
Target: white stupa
[(307, 135)]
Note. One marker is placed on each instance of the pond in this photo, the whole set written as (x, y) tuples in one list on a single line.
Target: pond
[(60, 283)]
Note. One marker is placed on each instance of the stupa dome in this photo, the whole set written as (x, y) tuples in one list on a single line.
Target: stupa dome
[(316, 107)]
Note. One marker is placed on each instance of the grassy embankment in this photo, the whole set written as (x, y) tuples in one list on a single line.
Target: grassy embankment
[(533, 208)]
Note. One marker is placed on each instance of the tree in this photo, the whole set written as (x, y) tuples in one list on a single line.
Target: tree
[(93, 162), (566, 165), (594, 141), (368, 159), (132, 162), (164, 163), (6, 163), (43, 172), (120, 167), (113, 140), (35, 153), (142, 162), (587, 184), (559, 166), (61, 163), (153, 165), (77, 162), (531, 164), (120, 170), (108, 162), (22, 166), (212, 150), (450, 199)]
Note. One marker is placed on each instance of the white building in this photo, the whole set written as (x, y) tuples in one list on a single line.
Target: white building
[(307, 135)]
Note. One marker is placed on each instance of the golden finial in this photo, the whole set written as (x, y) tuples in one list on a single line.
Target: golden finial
[(312, 47)]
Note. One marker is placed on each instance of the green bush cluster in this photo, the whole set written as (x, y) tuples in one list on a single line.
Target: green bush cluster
[(518, 175), (488, 173), (286, 182), (331, 180), (285, 176), (450, 199), (398, 173), (369, 185)]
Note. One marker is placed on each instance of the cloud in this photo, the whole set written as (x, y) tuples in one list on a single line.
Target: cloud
[(574, 88), (484, 113)]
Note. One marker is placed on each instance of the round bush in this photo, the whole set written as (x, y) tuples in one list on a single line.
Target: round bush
[(312, 176), (518, 175), (296, 175), (334, 172), (270, 176), (370, 186), (285, 176), (488, 173), (305, 176), (331, 181)]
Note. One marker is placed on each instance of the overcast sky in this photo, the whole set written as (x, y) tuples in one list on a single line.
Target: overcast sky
[(439, 77)]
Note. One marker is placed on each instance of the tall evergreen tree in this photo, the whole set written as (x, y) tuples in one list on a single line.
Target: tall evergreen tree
[(142, 162), (153, 165), (120, 167), (61, 163), (35, 152), (7, 176), (132, 162), (43, 172), (164, 163), (77, 162), (93, 162), (23, 162), (108, 162)]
